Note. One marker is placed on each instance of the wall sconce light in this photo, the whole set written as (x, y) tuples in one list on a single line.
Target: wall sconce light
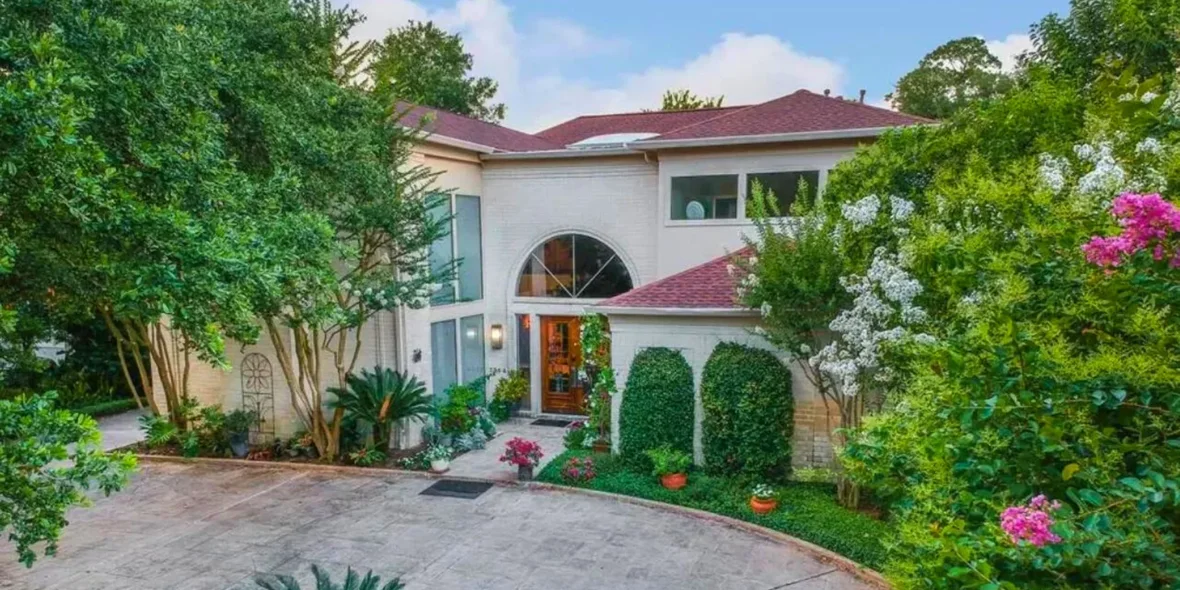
[(497, 336)]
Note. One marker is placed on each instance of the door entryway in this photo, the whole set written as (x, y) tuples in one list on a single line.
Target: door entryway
[(561, 355)]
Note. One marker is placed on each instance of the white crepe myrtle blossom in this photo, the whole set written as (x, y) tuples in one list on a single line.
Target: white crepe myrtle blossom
[(1148, 97), (1149, 146), (882, 308), (1127, 97), (863, 212), (1107, 178), (1053, 171), (900, 209), (765, 309)]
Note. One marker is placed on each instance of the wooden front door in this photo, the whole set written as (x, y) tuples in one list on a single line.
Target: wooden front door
[(561, 356)]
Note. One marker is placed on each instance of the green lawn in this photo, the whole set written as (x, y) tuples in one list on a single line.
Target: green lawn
[(806, 510)]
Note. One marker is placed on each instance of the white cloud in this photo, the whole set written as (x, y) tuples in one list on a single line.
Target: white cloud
[(1009, 48), (744, 68), (558, 38)]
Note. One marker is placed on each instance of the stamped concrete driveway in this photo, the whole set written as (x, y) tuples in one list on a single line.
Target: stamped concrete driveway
[(188, 526)]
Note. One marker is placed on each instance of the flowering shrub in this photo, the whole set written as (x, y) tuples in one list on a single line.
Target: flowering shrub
[(522, 453), (578, 470), (763, 492), (1149, 223), (1031, 523), (576, 435), (1052, 364)]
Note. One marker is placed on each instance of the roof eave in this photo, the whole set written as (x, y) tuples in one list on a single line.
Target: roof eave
[(458, 143), (860, 133), (677, 311), (558, 154)]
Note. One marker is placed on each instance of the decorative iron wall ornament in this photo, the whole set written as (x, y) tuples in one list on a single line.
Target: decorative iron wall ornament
[(258, 395)]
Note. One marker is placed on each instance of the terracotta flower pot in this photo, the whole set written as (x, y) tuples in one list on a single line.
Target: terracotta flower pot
[(601, 446), (760, 506), (674, 481)]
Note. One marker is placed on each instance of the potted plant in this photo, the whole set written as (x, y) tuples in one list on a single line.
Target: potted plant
[(237, 429), (511, 392), (763, 499), (439, 458), (670, 465), (524, 454)]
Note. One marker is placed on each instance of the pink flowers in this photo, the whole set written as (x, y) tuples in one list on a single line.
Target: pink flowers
[(522, 453), (1148, 221), (1031, 523), (578, 470)]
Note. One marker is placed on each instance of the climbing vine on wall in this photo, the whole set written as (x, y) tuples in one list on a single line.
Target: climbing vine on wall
[(597, 370)]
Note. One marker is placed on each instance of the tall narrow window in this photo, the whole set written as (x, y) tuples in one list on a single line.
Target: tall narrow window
[(471, 347), (524, 343), (444, 364), (467, 248), (573, 266), (458, 252), (442, 251)]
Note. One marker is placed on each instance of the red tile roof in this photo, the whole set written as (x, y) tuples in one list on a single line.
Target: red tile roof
[(799, 112), (587, 126), (707, 286), (473, 130)]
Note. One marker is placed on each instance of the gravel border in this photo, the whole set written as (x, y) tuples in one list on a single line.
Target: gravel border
[(860, 572)]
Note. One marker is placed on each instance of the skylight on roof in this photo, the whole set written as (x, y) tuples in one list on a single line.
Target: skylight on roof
[(609, 140)]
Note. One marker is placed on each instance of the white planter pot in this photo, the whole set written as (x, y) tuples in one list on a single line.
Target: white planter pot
[(440, 465)]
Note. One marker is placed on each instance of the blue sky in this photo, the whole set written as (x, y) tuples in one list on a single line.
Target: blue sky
[(558, 59)]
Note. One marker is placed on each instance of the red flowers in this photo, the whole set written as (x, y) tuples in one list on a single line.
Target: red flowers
[(1148, 221), (578, 470), (521, 452)]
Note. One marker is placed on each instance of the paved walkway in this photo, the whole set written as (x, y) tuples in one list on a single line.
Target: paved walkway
[(199, 526), (485, 463), (120, 430)]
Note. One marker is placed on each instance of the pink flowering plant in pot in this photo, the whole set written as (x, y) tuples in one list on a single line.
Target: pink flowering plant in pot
[(578, 470), (524, 454)]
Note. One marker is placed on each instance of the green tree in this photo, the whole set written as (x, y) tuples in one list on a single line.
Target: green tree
[(956, 74), (684, 100), (49, 459), (424, 65)]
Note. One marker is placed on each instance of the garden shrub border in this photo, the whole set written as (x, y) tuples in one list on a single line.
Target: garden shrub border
[(658, 406)]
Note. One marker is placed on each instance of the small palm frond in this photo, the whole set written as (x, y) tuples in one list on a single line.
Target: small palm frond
[(352, 581)]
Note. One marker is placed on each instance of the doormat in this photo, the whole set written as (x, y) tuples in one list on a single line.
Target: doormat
[(457, 488), (551, 422)]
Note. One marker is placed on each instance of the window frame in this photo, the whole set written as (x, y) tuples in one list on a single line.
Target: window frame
[(737, 196), (452, 201), (457, 324), (743, 172), (558, 300)]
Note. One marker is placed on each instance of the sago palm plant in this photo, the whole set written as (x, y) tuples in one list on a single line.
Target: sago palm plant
[(382, 397), (352, 581)]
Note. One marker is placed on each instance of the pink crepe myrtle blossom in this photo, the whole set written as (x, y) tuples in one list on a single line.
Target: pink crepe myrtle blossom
[(1148, 221), (1031, 523)]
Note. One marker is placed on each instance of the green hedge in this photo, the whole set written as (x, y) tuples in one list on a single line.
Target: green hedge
[(657, 407), (107, 408), (749, 413), (806, 510)]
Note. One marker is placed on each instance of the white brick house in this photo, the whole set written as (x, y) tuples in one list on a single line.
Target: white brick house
[(552, 224)]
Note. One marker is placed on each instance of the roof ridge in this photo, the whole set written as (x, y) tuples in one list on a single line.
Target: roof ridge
[(711, 119), (866, 105), (468, 117)]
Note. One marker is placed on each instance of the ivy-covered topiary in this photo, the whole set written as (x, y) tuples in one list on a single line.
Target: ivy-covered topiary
[(657, 406), (749, 413)]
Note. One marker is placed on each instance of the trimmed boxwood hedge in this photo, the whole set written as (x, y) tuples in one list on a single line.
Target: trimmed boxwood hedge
[(657, 407), (749, 413)]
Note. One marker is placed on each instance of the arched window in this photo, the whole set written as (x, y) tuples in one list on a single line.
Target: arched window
[(573, 266)]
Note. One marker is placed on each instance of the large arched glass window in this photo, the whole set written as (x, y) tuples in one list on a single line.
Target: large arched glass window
[(573, 266)]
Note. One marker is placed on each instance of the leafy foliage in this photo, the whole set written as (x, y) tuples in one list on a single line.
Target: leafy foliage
[(956, 74), (460, 413), (807, 510), (421, 64), (658, 405), (1043, 374), (380, 398), (323, 581), (666, 460), (749, 413), (49, 459), (684, 100)]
